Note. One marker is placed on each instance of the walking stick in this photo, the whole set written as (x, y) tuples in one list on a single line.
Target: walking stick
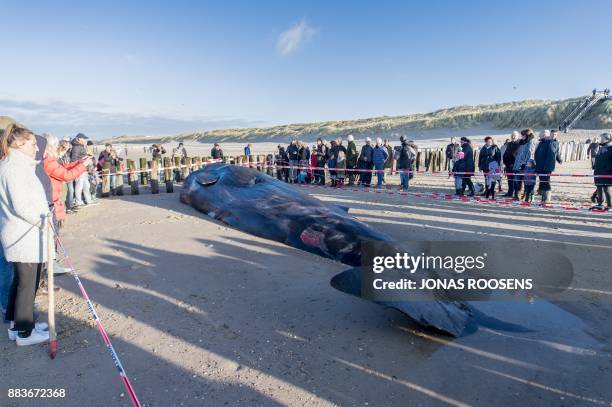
[(50, 288)]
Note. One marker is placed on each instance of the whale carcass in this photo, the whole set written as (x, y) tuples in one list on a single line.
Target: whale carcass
[(261, 205)]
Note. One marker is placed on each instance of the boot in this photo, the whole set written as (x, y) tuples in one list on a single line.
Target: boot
[(546, 196)]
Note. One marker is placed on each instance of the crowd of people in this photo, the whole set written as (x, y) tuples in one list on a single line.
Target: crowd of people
[(522, 160), (299, 163), (526, 163)]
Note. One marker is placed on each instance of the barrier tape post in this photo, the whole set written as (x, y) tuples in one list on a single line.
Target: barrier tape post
[(124, 377), (51, 289)]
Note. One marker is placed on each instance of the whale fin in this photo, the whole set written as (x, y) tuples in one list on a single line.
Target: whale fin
[(206, 179), (349, 281), (449, 316)]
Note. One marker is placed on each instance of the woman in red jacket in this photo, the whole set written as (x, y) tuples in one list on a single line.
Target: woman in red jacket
[(61, 173)]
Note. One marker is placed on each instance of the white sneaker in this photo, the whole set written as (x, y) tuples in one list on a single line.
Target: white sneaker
[(39, 326), (35, 337)]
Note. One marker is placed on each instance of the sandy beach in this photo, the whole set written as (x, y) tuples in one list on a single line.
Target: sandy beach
[(202, 314)]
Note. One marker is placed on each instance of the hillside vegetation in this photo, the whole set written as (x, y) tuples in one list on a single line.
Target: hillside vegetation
[(511, 115)]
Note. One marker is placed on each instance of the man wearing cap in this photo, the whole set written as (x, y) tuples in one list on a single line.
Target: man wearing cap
[(82, 187), (216, 153)]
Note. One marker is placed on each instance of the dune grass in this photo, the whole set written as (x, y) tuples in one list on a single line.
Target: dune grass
[(510, 115)]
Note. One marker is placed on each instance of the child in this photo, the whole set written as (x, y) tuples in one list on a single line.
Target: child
[(529, 180), (491, 179), (459, 167)]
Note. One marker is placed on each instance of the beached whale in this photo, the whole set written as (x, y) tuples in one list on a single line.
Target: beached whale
[(261, 205)]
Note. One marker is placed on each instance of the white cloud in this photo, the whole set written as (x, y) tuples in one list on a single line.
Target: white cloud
[(102, 121), (291, 39)]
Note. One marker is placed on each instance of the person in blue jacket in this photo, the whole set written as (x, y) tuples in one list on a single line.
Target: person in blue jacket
[(379, 156)]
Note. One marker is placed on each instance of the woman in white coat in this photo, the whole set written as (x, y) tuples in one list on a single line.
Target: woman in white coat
[(23, 230)]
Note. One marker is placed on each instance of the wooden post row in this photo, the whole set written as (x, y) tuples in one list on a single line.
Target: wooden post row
[(106, 180), (119, 169), (143, 171), (177, 169), (132, 176), (168, 175), (186, 168)]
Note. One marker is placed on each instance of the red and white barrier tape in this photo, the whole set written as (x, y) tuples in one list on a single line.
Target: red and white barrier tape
[(354, 170), (96, 318), (449, 197)]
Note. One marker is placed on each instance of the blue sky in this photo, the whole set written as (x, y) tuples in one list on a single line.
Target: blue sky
[(111, 68)]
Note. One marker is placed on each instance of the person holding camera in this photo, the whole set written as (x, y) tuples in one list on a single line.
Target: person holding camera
[(82, 187)]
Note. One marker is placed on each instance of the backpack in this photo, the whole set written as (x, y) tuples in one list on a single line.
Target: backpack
[(396, 152)]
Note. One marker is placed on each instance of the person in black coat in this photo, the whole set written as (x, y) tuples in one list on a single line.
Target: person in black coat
[(157, 150), (404, 162), (469, 165), (293, 152), (508, 159), (546, 156), (451, 153), (282, 160), (458, 168), (602, 169), (593, 150), (366, 163), (216, 153), (322, 155), (488, 153)]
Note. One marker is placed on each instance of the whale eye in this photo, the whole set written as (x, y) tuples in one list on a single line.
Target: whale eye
[(206, 179)]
